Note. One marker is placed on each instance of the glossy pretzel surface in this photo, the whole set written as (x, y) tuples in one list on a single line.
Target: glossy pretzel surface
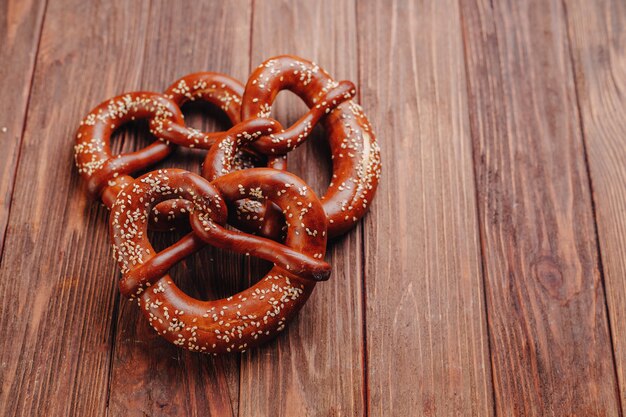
[(278, 217), (250, 317)]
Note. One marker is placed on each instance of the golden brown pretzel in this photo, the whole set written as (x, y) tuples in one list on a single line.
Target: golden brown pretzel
[(355, 153), (106, 174), (253, 199), (245, 319), (215, 88)]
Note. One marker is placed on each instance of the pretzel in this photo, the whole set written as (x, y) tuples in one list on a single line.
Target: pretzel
[(355, 153), (250, 317), (106, 174), (270, 202)]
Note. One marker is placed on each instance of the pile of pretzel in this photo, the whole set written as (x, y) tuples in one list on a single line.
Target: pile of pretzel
[(274, 214)]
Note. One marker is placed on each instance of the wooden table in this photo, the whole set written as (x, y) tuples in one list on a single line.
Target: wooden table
[(489, 277)]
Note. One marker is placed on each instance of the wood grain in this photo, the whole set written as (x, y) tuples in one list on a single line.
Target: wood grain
[(598, 47), (427, 341), (57, 281), (149, 375), (550, 344), (20, 31), (473, 287), (316, 367)]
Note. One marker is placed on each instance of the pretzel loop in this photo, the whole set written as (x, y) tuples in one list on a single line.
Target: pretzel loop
[(218, 89), (302, 78), (355, 153), (220, 159), (93, 151)]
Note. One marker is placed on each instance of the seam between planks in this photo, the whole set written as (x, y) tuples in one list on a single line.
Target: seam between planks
[(252, 4), (24, 122), (479, 223), (365, 363), (581, 126), (365, 369), (113, 333)]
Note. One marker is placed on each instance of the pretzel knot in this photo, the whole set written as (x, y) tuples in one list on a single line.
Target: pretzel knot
[(245, 319), (267, 205)]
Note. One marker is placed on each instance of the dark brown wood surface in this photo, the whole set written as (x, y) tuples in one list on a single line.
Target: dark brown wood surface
[(550, 344), (489, 277), (427, 347), (598, 49), (20, 40)]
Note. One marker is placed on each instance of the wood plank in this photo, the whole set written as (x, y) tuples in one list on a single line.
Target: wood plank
[(316, 366), (19, 37), (550, 345), (150, 376), (598, 47), (57, 283), (427, 343)]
